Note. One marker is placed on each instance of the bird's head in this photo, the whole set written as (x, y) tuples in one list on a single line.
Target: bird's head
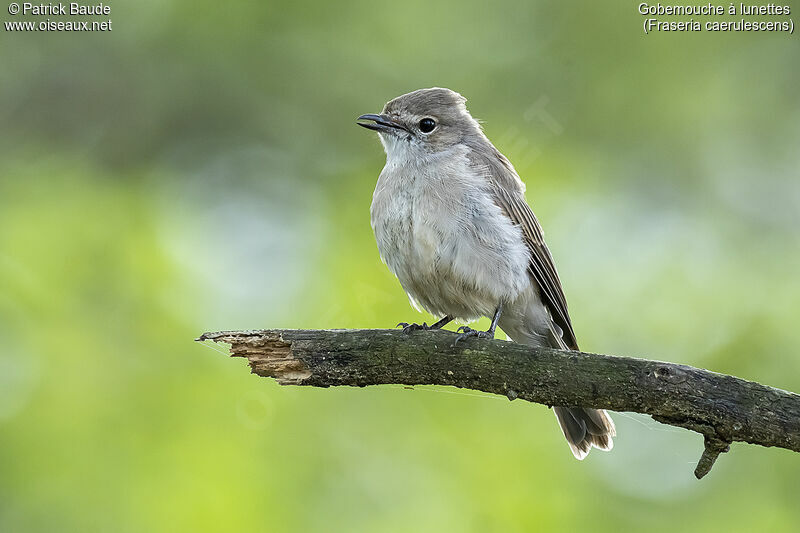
[(423, 122)]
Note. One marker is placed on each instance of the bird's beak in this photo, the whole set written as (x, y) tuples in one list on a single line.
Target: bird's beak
[(380, 123)]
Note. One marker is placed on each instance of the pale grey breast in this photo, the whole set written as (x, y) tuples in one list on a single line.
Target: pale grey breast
[(440, 232)]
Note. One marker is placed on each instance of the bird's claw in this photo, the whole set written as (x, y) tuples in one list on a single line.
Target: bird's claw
[(408, 328), (466, 331)]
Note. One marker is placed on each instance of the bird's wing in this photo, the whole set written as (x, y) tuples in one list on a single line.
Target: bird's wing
[(509, 194)]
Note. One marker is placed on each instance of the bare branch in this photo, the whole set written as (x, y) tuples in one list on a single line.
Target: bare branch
[(724, 409)]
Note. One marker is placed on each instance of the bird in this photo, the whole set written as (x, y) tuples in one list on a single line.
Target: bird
[(452, 224)]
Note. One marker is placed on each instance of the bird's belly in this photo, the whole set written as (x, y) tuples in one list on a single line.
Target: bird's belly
[(428, 273), (452, 260)]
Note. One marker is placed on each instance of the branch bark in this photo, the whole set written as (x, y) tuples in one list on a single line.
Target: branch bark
[(722, 408)]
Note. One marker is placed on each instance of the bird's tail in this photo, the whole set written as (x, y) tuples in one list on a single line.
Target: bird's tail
[(585, 428)]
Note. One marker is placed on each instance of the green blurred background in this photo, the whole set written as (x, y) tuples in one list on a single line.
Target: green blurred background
[(198, 168)]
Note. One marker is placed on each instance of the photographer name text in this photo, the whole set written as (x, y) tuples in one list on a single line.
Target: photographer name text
[(42, 14)]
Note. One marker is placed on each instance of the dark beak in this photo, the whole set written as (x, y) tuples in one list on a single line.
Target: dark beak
[(380, 123)]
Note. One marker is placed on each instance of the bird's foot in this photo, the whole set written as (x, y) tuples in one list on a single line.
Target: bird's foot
[(466, 332), (408, 328)]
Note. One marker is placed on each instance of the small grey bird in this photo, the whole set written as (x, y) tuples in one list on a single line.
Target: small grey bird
[(451, 222)]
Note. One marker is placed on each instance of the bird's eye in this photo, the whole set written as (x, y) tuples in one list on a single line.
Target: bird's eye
[(426, 125)]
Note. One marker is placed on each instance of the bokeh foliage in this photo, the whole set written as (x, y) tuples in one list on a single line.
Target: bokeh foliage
[(198, 168)]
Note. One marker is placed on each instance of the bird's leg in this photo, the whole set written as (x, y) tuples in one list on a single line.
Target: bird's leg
[(488, 334), (408, 328)]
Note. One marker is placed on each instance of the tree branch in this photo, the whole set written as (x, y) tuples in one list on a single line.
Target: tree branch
[(724, 409)]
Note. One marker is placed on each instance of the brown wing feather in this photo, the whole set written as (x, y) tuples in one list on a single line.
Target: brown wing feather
[(509, 195)]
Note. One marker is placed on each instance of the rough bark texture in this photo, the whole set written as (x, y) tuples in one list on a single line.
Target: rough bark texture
[(722, 408)]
